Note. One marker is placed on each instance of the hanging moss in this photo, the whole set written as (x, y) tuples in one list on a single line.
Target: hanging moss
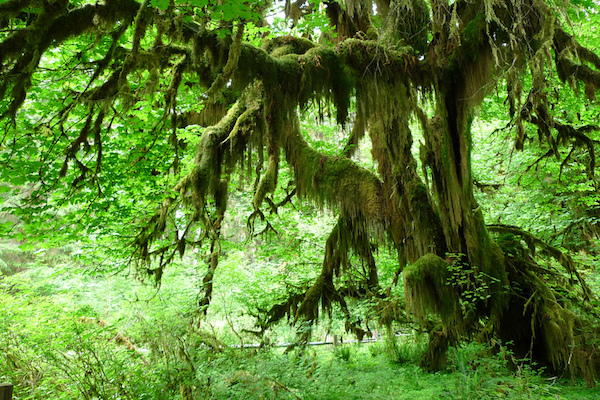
[(220, 145), (407, 23), (288, 308), (389, 103), (534, 244), (334, 181), (322, 293), (350, 19), (454, 57), (429, 235), (324, 76), (427, 291), (559, 339), (546, 317), (230, 67), (207, 281), (317, 295), (268, 183), (415, 225)]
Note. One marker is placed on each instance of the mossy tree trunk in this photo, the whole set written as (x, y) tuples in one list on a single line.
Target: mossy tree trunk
[(468, 243), (449, 145)]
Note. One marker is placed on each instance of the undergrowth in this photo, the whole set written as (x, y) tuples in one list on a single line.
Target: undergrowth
[(59, 341)]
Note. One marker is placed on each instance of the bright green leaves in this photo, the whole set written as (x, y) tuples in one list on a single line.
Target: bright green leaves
[(315, 23), (230, 10), (255, 34), (161, 4), (227, 11), (164, 4), (586, 4)]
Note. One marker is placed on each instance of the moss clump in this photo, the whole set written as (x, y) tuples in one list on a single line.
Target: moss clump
[(427, 291), (287, 45), (429, 235)]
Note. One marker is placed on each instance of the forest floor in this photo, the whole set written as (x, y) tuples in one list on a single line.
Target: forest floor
[(69, 333)]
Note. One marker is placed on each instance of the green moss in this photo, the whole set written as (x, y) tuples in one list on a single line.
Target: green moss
[(436, 354), (427, 291), (229, 136), (428, 232), (287, 45), (281, 73), (315, 295), (468, 136), (407, 24), (268, 183), (418, 195), (324, 76), (474, 31), (335, 181)]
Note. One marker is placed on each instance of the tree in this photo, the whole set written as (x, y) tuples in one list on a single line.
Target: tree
[(389, 68)]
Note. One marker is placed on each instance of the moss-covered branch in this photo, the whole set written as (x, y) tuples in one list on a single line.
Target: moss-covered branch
[(573, 62), (533, 241), (21, 52), (373, 58), (334, 181)]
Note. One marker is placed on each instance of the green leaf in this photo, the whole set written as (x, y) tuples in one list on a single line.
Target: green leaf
[(161, 4)]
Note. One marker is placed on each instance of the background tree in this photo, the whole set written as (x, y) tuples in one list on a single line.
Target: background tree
[(95, 93)]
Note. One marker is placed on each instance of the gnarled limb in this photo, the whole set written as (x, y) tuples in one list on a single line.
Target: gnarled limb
[(563, 258)]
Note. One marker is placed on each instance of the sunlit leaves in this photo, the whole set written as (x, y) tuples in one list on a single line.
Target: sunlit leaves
[(161, 4), (255, 34), (227, 11)]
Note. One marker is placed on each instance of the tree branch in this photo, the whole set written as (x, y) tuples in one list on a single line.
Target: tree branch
[(532, 241)]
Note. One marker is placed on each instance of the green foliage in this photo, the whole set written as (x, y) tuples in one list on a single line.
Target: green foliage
[(469, 282), (549, 194), (481, 374), (51, 346), (343, 352), (220, 11), (403, 349)]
